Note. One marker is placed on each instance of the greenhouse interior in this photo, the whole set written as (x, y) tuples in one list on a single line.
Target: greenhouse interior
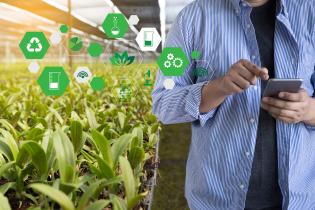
[(76, 124)]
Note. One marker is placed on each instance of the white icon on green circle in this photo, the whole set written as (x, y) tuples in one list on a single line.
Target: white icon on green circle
[(54, 78), (115, 25), (34, 45), (115, 30)]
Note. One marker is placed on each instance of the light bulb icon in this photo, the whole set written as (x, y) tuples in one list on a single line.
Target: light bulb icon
[(115, 30)]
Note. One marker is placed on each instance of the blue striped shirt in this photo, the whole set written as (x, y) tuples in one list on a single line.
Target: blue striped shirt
[(223, 140)]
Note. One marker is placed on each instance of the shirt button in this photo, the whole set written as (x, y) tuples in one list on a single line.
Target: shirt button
[(242, 186), (253, 57), (255, 87), (248, 25), (247, 154), (244, 4), (252, 120), (237, 11)]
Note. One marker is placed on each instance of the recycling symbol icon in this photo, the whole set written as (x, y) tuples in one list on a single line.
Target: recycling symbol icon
[(34, 45)]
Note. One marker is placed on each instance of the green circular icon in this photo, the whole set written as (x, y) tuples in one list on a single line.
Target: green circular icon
[(95, 49), (115, 25), (75, 44), (195, 54), (64, 29), (53, 81), (173, 61), (97, 83), (34, 45)]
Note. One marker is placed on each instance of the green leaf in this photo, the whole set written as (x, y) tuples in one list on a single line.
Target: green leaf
[(118, 203), (124, 56), (33, 150), (76, 131), (121, 119), (128, 178), (136, 156), (6, 151), (117, 56), (5, 167), (91, 118), (58, 196), (95, 170), (65, 156), (22, 175), (10, 141), (138, 132), (5, 187), (135, 200), (4, 203), (94, 187), (153, 139), (130, 60), (119, 147), (103, 146), (106, 171), (35, 134), (56, 114), (98, 205), (114, 61), (50, 152), (9, 127)]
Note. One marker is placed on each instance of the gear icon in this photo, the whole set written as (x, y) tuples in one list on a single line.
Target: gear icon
[(178, 63), (167, 64), (170, 56)]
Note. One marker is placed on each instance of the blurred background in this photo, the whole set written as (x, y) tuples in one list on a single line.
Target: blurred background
[(84, 18)]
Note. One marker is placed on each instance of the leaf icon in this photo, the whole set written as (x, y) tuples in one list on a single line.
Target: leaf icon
[(122, 60)]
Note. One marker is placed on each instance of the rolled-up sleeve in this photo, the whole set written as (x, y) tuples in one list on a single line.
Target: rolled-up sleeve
[(180, 104)]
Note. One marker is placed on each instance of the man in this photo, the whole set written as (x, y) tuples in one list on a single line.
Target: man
[(246, 152)]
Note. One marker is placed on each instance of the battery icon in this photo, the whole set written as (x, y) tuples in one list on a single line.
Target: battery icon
[(54, 80), (148, 38)]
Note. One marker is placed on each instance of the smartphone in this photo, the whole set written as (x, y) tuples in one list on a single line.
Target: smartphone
[(275, 86)]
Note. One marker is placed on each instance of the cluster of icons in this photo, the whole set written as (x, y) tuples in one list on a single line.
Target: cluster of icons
[(54, 80), (173, 62)]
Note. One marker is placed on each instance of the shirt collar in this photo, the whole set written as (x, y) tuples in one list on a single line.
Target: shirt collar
[(283, 9)]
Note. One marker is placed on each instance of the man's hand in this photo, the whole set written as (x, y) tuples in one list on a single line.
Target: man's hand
[(290, 107), (240, 76)]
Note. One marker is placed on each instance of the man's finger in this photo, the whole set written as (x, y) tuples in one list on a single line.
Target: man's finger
[(279, 112), (258, 72), (264, 73), (297, 97), (281, 104), (241, 81), (249, 76), (285, 119)]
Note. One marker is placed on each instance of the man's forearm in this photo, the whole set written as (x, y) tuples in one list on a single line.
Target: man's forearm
[(311, 114), (212, 96)]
